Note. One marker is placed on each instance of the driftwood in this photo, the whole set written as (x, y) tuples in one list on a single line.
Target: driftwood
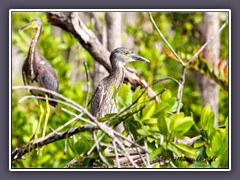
[(72, 23)]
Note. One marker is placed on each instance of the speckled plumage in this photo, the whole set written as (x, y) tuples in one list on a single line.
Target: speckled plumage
[(102, 101)]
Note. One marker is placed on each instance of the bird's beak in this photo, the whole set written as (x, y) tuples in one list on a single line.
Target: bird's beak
[(138, 58), (29, 25)]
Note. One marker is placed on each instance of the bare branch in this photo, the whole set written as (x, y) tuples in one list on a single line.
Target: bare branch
[(116, 154), (138, 151), (188, 141), (49, 91), (50, 99), (180, 89), (19, 152), (99, 151), (209, 41), (160, 33), (72, 163), (147, 155)]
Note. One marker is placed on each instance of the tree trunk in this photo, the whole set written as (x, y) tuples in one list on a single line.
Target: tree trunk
[(210, 89), (109, 34), (113, 22), (99, 72)]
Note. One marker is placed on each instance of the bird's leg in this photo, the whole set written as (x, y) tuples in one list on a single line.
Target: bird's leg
[(47, 115), (34, 137)]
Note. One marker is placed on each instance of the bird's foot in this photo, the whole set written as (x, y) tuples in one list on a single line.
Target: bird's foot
[(33, 143)]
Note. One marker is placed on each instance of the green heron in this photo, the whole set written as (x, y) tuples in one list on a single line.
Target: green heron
[(102, 101), (37, 71)]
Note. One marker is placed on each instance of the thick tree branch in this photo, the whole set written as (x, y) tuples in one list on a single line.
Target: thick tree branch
[(72, 23), (19, 152)]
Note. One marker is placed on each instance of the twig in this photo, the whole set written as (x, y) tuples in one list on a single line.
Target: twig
[(95, 144), (136, 100), (188, 141), (139, 153), (72, 163), (180, 89), (63, 109), (50, 99), (48, 91), (206, 43), (128, 115), (160, 33), (80, 108), (65, 147), (116, 154), (126, 153), (99, 151), (67, 111), (147, 155)]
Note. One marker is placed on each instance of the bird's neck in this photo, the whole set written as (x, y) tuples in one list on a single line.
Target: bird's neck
[(118, 73), (32, 50)]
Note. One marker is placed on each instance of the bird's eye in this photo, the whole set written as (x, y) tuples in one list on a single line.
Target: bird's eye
[(126, 53)]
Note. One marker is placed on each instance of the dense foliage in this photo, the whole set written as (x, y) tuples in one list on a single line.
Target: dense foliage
[(155, 126)]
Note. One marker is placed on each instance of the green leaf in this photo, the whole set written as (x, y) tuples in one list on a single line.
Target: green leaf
[(161, 123), (156, 165), (189, 151), (137, 93), (217, 142), (171, 121), (72, 146), (216, 163), (160, 108), (124, 95), (155, 153), (106, 117), (149, 110), (205, 116), (174, 149), (201, 154), (143, 132), (174, 104), (198, 143), (150, 121), (166, 95), (83, 144), (105, 139), (210, 125), (210, 151), (169, 125), (182, 125)]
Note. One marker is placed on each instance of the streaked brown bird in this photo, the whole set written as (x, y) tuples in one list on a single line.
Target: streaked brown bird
[(37, 71), (102, 101)]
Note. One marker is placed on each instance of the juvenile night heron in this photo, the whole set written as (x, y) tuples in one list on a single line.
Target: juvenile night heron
[(102, 100), (37, 71)]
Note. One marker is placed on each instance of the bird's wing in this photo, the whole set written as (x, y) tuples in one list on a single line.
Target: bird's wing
[(47, 76), (97, 99)]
